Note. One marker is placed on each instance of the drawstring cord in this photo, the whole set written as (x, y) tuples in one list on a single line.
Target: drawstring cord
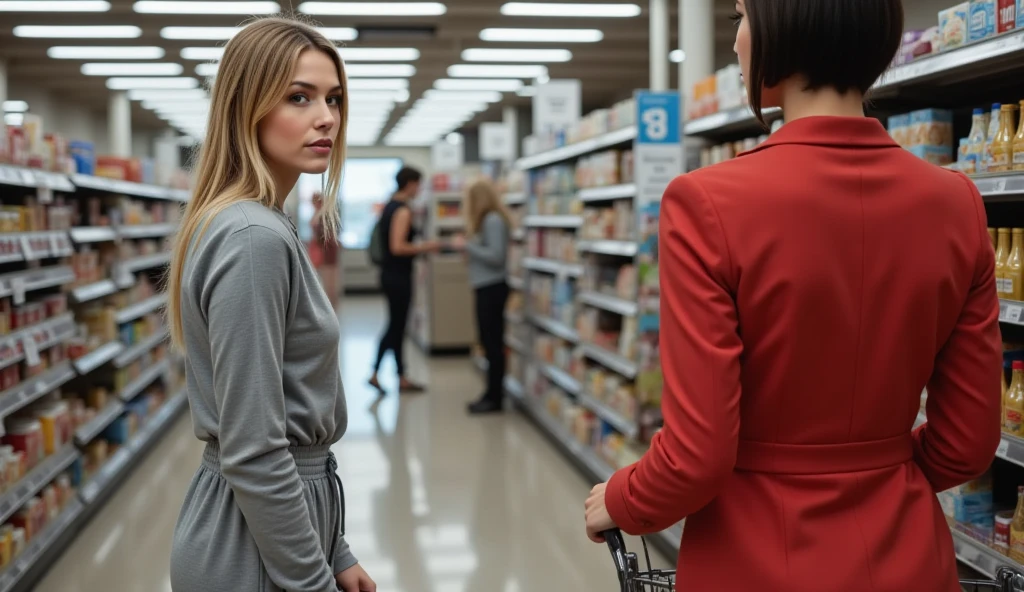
[(339, 492)]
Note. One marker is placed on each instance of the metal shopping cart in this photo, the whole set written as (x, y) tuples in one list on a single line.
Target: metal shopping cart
[(632, 579)]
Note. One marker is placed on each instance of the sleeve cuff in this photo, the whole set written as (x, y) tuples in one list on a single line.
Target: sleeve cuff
[(618, 506), (343, 557)]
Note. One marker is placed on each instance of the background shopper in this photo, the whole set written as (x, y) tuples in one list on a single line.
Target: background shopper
[(806, 302), (265, 510), (487, 227), (396, 274), (323, 250)]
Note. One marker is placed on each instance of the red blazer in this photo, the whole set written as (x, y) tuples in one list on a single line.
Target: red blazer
[(810, 290)]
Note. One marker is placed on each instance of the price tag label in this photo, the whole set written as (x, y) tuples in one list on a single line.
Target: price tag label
[(31, 350), (26, 248), (999, 186), (18, 287), (1002, 306), (41, 387), (1013, 313), (44, 194), (1003, 448)]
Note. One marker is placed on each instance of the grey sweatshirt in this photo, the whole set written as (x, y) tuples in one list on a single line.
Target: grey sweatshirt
[(262, 342), (488, 252)]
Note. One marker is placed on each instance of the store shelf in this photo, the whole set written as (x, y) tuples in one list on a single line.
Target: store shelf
[(980, 556), (578, 149), (93, 291), (93, 234), (610, 360), (33, 178), (52, 331), (610, 303), (146, 230), (35, 279), (141, 309), (537, 221), (561, 378), (119, 187), (88, 432), (513, 388), (145, 378), (33, 388), (516, 345), (622, 248), (146, 262), (964, 64), (516, 283), (450, 223), (1011, 312), (40, 545), (448, 196), (1000, 187), (553, 266), (132, 353), (555, 328), (626, 191), (516, 318), (98, 357), (626, 427), (33, 246), (732, 121), (36, 479), (515, 199)]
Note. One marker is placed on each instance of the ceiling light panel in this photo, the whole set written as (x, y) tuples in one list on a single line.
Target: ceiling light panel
[(85, 52), (339, 33), (206, 70), (380, 70), (131, 69), (570, 10), (677, 56), (516, 55), (54, 6), (496, 71), (130, 83), (205, 7), (379, 54), (543, 35), (202, 53), (201, 33), (373, 8), (453, 95), (78, 32), (496, 84), (378, 84), (167, 95), (15, 106)]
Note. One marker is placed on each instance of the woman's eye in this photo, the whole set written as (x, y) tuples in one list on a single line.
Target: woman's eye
[(334, 101), (736, 18), (299, 99)]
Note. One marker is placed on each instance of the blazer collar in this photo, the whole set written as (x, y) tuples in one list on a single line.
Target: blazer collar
[(862, 132)]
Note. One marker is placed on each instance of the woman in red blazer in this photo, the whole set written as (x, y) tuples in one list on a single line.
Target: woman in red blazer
[(810, 290)]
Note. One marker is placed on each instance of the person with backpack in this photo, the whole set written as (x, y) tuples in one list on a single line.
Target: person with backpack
[(393, 249)]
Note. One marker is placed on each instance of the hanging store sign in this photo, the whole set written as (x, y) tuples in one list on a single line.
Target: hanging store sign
[(556, 106), (659, 149)]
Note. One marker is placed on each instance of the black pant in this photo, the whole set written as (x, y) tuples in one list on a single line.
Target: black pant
[(490, 322), (398, 291)]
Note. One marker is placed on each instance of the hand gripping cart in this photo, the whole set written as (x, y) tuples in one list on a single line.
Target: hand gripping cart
[(631, 579)]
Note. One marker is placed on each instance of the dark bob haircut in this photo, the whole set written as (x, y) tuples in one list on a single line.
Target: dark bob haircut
[(407, 175), (843, 44)]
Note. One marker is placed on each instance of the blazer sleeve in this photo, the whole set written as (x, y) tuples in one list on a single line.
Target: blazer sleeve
[(691, 457), (246, 299), (960, 438)]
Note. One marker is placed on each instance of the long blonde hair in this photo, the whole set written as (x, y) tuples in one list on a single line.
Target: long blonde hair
[(482, 199), (254, 74)]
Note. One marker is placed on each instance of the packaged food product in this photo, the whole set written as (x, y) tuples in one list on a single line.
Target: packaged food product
[(1018, 144), (976, 142), (1006, 16), (48, 422), (1020, 14), (26, 436), (970, 503), (6, 540), (953, 30), (19, 540), (899, 129), (1002, 531), (982, 20), (931, 127)]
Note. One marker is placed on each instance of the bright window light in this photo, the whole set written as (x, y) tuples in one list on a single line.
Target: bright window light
[(373, 8), (205, 7), (54, 6), (85, 52), (379, 54), (496, 71), (378, 84), (78, 32), (380, 70), (677, 55), (202, 54), (15, 106), (497, 84), (129, 69), (543, 35), (206, 70), (447, 95), (167, 95), (570, 10), (517, 55), (140, 83)]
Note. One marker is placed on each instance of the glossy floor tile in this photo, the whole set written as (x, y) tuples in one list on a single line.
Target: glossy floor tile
[(437, 501)]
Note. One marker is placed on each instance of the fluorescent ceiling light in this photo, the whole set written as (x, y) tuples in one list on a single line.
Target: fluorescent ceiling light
[(498, 84), (527, 91), (449, 95), (378, 84), (54, 6), (543, 35), (339, 33), (140, 83), (380, 70), (167, 95), (78, 32), (210, 33), (129, 69), (366, 96), (15, 106), (379, 54), (207, 69), (205, 7), (373, 8), (85, 52), (677, 55), (202, 53), (570, 10), (496, 71), (516, 55)]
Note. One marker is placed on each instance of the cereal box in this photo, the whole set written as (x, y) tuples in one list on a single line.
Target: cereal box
[(982, 23), (899, 129), (1020, 14), (953, 26), (931, 127), (1006, 16)]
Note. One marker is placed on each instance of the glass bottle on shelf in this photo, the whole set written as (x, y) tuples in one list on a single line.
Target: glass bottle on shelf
[(1018, 144), (992, 237), (976, 143), (1013, 416), (1002, 253), (990, 136), (1015, 266), (1002, 146), (1017, 529)]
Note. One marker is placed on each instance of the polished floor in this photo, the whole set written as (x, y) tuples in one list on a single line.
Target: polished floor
[(437, 501)]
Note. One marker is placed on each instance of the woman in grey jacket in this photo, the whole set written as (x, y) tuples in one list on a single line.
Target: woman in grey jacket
[(265, 511), (487, 252)]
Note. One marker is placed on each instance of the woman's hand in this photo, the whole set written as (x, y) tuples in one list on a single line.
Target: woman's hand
[(355, 579), (598, 519)]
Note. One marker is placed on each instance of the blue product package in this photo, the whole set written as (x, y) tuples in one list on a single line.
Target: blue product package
[(117, 431), (1020, 14), (982, 20), (84, 156), (128, 334), (76, 471)]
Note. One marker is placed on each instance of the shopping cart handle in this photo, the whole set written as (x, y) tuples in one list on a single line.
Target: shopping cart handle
[(616, 544)]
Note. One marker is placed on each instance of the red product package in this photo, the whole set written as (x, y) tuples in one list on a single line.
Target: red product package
[(1006, 16)]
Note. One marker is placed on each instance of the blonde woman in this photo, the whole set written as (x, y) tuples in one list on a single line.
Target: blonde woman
[(487, 227), (265, 510)]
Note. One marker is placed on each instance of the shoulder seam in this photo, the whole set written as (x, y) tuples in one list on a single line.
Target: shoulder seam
[(721, 227)]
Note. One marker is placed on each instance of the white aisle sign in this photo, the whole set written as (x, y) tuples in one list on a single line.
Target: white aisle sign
[(659, 148), (445, 156), (556, 105), (496, 142)]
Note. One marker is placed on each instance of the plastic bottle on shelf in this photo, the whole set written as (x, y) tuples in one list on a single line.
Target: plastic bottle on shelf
[(1002, 146), (1013, 417), (1002, 253), (1018, 144), (990, 136), (992, 236), (1017, 528), (1014, 281), (976, 142)]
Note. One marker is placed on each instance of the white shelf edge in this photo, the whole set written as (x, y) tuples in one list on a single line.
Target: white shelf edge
[(98, 357), (37, 478), (554, 327), (612, 360), (626, 134), (146, 262), (626, 427), (603, 246), (11, 340), (88, 432), (94, 290), (36, 279), (140, 309), (146, 231), (736, 116), (607, 193), (610, 303), (129, 188), (93, 234), (33, 388), (955, 59), (133, 352), (552, 221), (552, 266), (144, 379), (560, 377)]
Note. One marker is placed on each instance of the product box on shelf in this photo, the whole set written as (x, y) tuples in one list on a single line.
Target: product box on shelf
[(953, 26), (899, 129), (1020, 14), (1006, 16), (970, 503), (982, 20)]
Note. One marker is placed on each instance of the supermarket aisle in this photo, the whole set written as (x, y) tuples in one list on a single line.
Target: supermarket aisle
[(437, 501)]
